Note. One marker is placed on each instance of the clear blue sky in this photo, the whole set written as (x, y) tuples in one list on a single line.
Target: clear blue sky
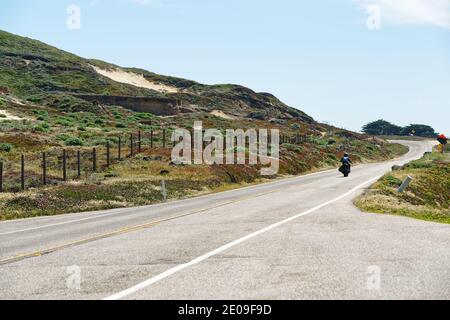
[(318, 56)]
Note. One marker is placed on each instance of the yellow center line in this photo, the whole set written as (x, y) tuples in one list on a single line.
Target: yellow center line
[(126, 230)]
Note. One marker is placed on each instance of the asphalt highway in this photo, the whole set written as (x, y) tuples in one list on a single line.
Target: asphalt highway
[(298, 238)]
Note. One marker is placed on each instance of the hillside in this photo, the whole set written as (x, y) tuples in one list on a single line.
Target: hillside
[(91, 112), (40, 73)]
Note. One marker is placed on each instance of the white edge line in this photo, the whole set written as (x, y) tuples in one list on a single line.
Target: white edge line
[(49, 225), (128, 210), (118, 211), (106, 213), (225, 247)]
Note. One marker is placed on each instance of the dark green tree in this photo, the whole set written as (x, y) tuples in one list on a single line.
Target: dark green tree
[(381, 128), (420, 130)]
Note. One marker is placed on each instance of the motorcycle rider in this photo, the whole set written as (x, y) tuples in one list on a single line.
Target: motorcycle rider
[(346, 164), (346, 159)]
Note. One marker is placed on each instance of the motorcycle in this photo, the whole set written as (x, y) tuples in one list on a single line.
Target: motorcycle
[(345, 169)]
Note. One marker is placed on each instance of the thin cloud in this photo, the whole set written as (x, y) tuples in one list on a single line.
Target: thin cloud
[(425, 12)]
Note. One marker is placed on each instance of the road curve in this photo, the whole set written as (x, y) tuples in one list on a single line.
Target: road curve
[(299, 238)]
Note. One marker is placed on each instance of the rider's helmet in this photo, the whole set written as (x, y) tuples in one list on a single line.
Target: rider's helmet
[(346, 155)]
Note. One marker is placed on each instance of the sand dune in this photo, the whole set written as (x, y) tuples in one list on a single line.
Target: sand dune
[(134, 79)]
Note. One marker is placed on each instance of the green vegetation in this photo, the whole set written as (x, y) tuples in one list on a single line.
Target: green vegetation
[(385, 128), (5, 147), (135, 181), (44, 75), (87, 197), (74, 141), (427, 198), (37, 82), (32, 68)]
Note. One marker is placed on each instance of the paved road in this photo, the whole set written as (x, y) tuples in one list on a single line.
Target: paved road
[(299, 238)]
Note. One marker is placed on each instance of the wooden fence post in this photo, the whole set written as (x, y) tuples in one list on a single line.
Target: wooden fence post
[(94, 159), (78, 164), (64, 165), (131, 144), (44, 168), (120, 149), (22, 172), (108, 158), (164, 138), (1, 177), (151, 139), (139, 142)]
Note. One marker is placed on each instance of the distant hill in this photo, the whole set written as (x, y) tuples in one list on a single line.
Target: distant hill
[(39, 73)]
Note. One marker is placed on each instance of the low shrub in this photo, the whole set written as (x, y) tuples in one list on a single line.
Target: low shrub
[(74, 142), (5, 147)]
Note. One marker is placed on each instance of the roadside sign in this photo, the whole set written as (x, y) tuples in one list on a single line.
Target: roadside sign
[(442, 139), (443, 142)]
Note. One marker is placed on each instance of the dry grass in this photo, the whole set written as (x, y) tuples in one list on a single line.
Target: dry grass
[(427, 198), (386, 204), (137, 181)]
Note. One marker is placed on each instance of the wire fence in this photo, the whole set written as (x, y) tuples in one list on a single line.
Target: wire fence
[(58, 164)]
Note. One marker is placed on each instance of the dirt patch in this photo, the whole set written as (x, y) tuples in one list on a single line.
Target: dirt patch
[(222, 115), (5, 115)]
